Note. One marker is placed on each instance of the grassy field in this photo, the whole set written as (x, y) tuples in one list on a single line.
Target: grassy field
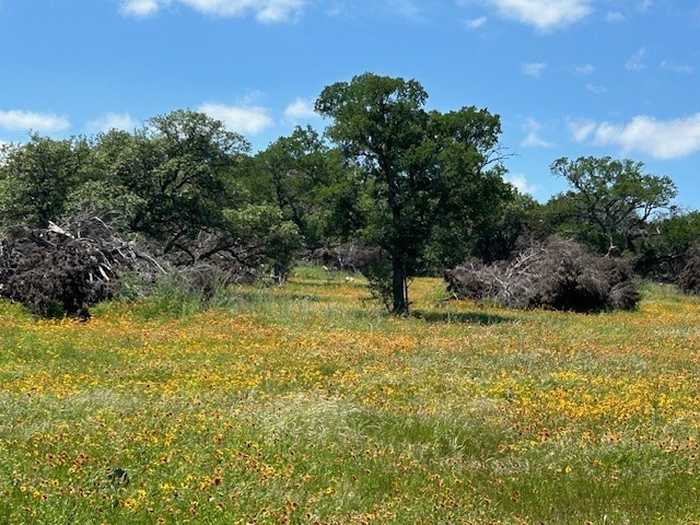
[(303, 405)]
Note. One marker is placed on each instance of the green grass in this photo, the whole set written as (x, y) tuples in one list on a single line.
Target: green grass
[(307, 404)]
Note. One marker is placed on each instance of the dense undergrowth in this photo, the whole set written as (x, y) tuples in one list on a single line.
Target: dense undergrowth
[(299, 404)]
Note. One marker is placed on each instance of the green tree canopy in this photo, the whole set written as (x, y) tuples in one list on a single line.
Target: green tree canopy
[(36, 178), (613, 198), (181, 167), (425, 170), (312, 185)]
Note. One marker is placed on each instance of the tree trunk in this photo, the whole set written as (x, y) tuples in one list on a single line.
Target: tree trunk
[(399, 286)]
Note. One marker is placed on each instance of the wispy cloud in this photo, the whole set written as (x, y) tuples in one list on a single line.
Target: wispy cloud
[(673, 67), (476, 23), (300, 110), (636, 61), (645, 5), (406, 8), (585, 69), (532, 138), (615, 17), (266, 11), (250, 120), (662, 139), (533, 69), (596, 89), (581, 130), (18, 120), (110, 121), (139, 8)]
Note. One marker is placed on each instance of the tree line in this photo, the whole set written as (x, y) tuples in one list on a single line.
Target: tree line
[(421, 190)]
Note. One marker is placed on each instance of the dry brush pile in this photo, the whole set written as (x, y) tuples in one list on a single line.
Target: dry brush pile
[(689, 278), (68, 268), (557, 274), (65, 269), (348, 257)]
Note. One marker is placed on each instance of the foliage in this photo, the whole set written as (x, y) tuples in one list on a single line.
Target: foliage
[(36, 178), (668, 246), (613, 198), (261, 233), (174, 185), (506, 229), (180, 166), (116, 205), (312, 186), (392, 190), (424, 170), (560, 275)]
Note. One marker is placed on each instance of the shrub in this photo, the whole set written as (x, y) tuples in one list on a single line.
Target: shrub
[(183, 292), (557, 274), (207, 281)]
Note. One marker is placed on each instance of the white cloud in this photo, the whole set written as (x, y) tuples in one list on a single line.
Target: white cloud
[(110, 121), (18, 120), (534, 69), (662, 139), (243, 119), (532, 138), (676, 68), (615, 17), (300, 109), (476, 23), (596, 89), (520, 183), (264, 10), (636, 61), (585, 69), (581, 129), (544, 15), (139, 8), (280, 10), (267, 11)]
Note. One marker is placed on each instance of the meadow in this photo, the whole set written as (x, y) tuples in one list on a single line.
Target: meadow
[(303, 404)]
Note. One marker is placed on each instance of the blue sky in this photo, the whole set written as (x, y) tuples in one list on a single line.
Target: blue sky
[(568, 77)]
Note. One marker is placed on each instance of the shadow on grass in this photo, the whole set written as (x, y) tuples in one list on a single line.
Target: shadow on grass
[(480, 318)]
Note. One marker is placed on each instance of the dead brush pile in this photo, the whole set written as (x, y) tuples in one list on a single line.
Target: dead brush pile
[(557, 274), (349, 257), (63, 270), (689, 278)]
